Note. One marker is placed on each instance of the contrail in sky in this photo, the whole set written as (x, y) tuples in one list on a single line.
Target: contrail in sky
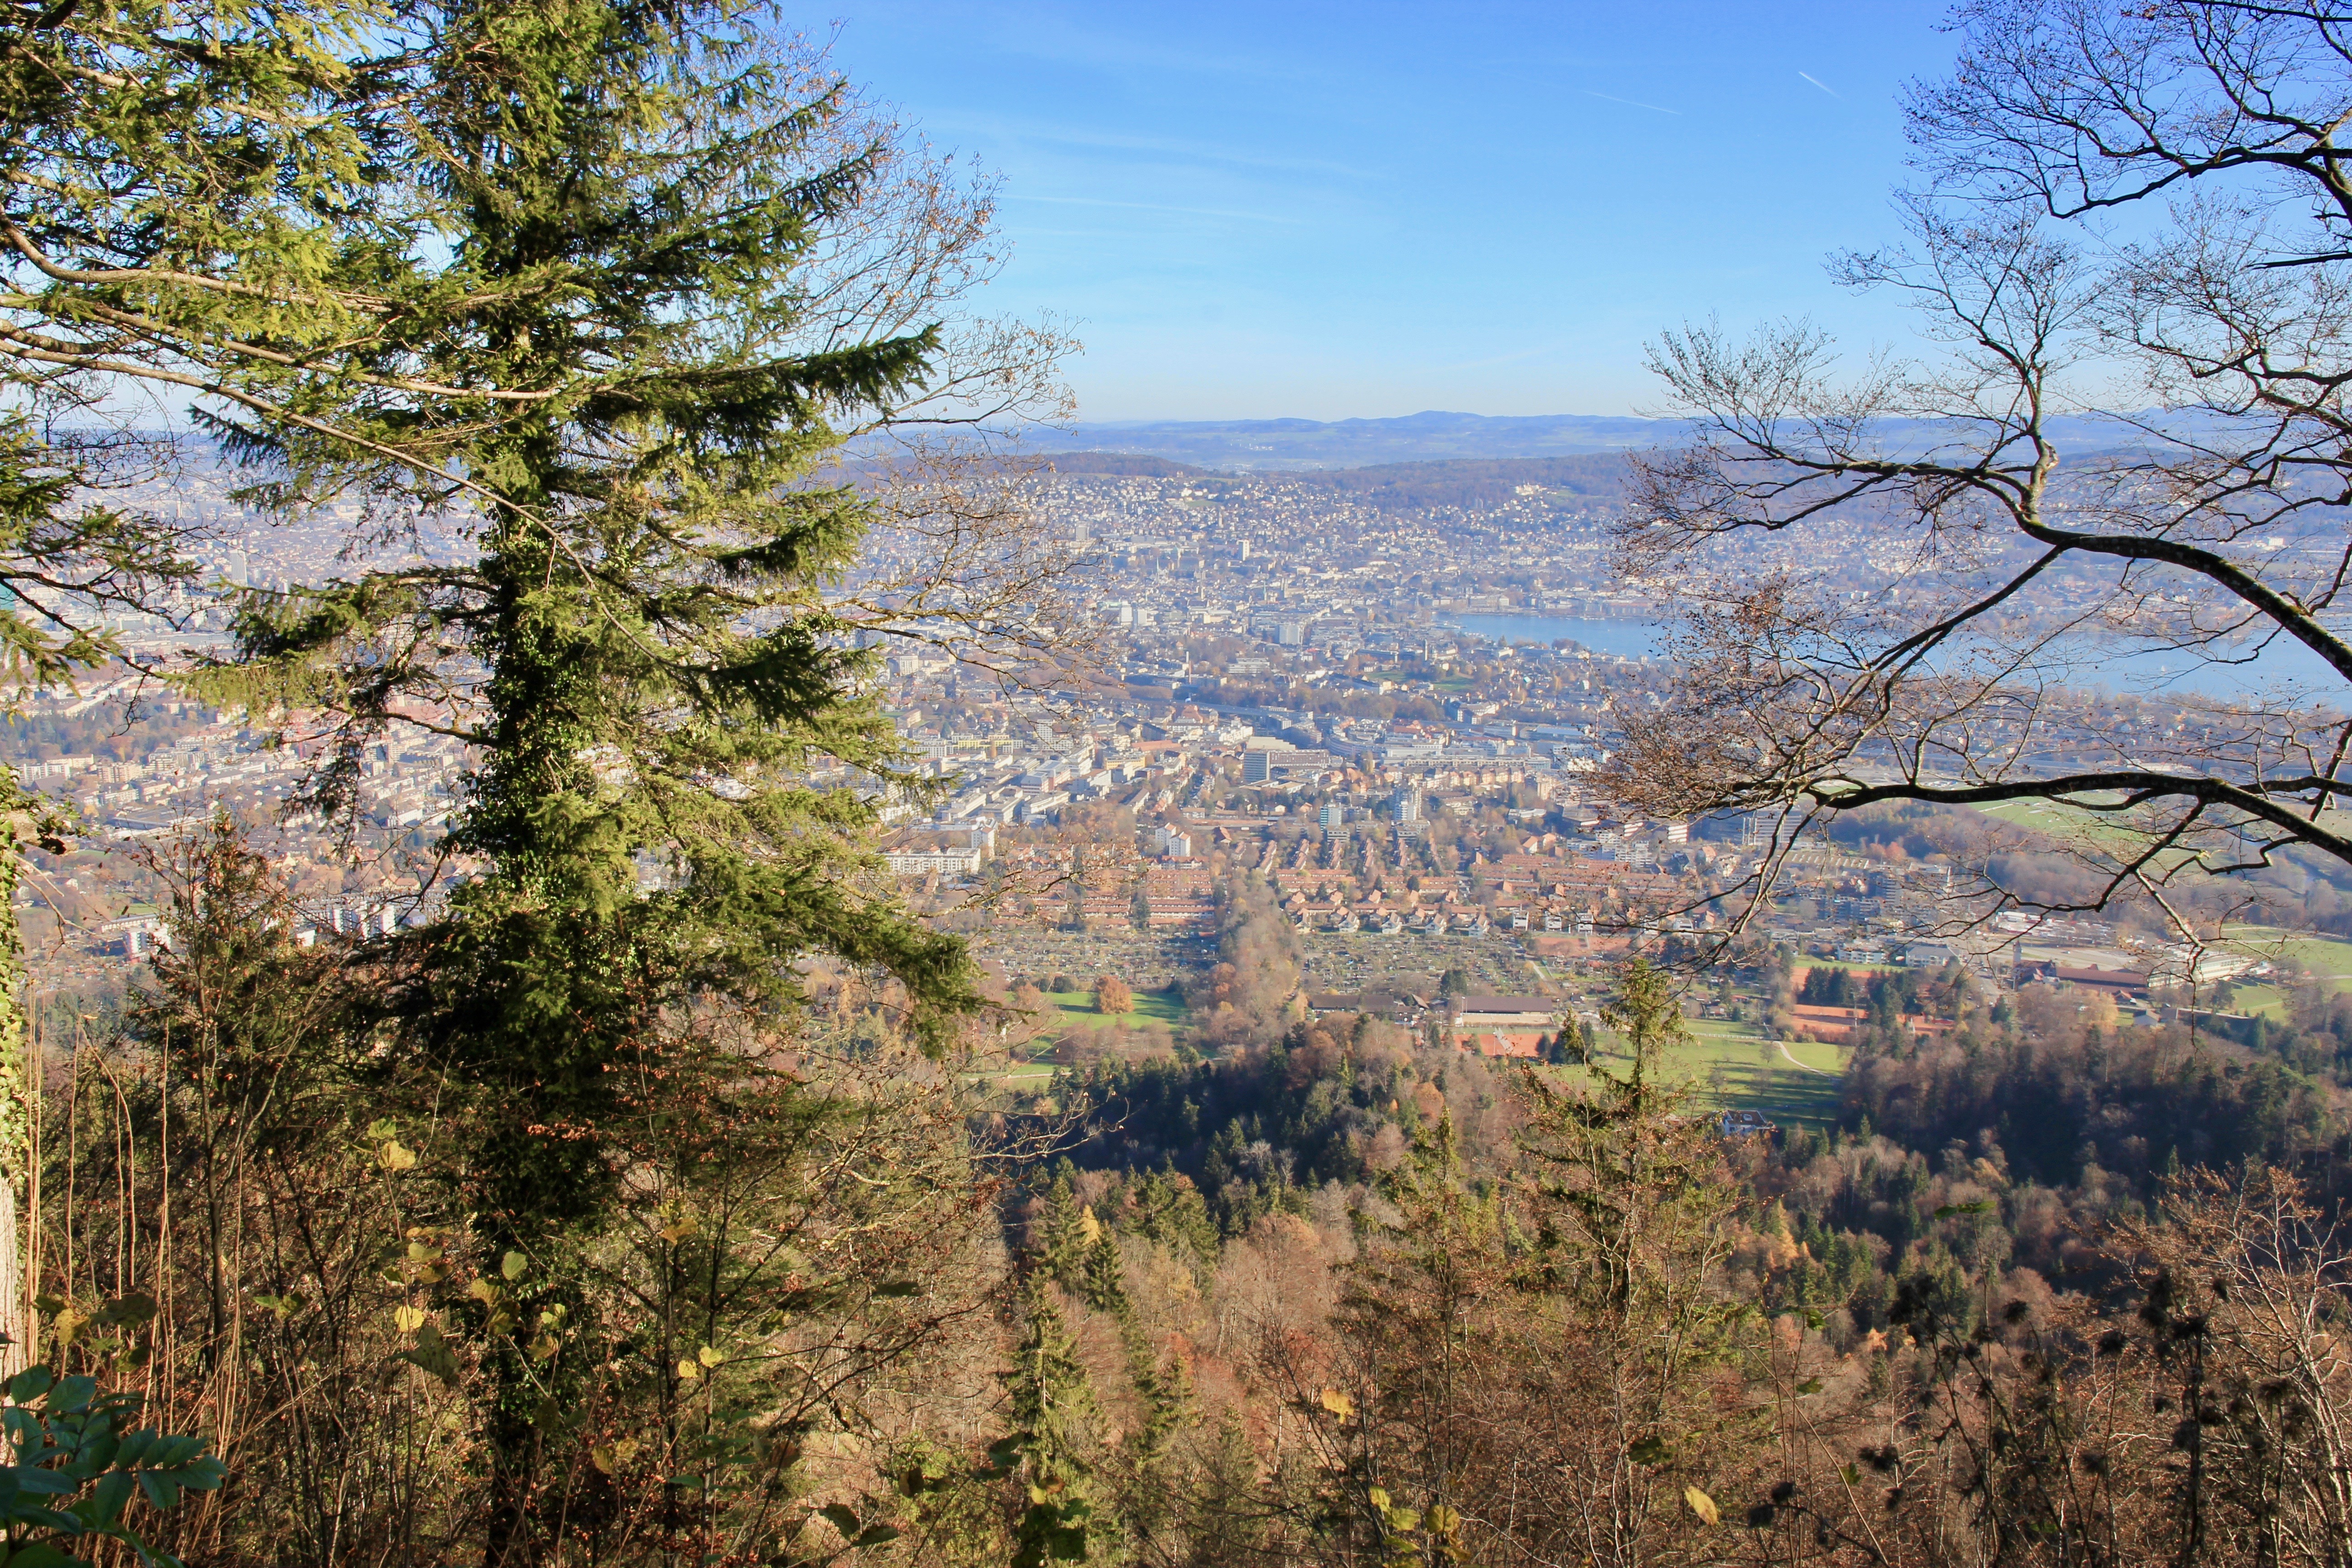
[(1634, 102), (1823, 88)]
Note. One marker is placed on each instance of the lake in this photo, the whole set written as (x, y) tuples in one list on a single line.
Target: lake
[(1629, 639), (2283, 663)]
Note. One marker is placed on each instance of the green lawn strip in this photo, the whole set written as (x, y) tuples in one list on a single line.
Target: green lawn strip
[(1734, 1055), (1031, 1072), (2329, 959), (2267, 1000), (2046, 815), (2064, 820), (1784, 1094), (1815, 1054), (1150, 1007), (2322, 955)]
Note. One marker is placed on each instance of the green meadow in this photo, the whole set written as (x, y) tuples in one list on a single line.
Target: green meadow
[(1727, 1066), (2328, 958), (1067, 1010), (1730, 1066), (1078, 1007)]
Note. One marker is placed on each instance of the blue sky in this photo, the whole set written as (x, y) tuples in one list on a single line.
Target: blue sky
[(1326, 211)]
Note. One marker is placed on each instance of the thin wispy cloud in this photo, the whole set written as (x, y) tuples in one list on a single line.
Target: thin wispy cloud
[(1013, 128), (1225, 196), (1831, 92), (1156, 207), (1631, 103)]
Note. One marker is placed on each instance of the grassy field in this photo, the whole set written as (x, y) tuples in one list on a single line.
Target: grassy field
[(2072, 824), (2328, 960), (1150, 1007), (2322, 955), (1729, 1068), (2327, 957), (2059, 818), (2047, 816), (1078, 1008), (2268, 1000)]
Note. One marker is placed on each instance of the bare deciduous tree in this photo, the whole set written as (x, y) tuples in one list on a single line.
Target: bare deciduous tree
[(2127, 441)]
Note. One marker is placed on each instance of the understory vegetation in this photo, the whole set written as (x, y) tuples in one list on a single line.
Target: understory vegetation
[(654, 1192), (2050, 1288)]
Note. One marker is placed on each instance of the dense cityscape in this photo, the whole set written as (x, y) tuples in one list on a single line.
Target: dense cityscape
[(1386, 691), (764, 810)]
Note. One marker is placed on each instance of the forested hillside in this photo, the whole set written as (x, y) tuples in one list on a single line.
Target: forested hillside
[(1327, 1295), (668, 1188)]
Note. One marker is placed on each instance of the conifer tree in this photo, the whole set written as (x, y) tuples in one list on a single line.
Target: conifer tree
[(1632, 1207), (676, 263), (1061, 1517), (1400, 1429), (195, 203)]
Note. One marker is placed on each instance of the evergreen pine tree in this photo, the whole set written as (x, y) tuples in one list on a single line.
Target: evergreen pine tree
[(1054, 1414), (638, 199), (1631, 1204), (1401, 1427)]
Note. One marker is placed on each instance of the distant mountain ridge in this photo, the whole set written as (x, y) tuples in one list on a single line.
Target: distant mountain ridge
[(1393, 487), (1253, 444), (1243, 445)]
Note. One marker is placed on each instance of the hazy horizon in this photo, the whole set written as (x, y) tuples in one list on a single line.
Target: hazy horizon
[(1324, 212)]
